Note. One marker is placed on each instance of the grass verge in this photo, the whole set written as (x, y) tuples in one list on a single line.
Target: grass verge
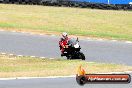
[(11, 66), (76, 21)]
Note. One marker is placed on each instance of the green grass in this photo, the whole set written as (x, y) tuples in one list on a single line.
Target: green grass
[(11, 66), (86, 22)]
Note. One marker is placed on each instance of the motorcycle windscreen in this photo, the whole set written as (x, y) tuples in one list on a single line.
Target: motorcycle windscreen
[(72, 42)]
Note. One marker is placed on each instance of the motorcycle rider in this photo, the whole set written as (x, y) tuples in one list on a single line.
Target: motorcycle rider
[(63, 42)]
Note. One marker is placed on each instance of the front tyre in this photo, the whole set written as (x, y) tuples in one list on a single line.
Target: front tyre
[(81, 56)]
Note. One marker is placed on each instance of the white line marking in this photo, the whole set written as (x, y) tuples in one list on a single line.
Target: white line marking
[(23, 32), (2, 30), (53, 35), (19, 55), (11, 54), (33, 56), (60, 76), (41, 34), (117, 72), (49, 77), (128, 71), (3, 53), (13, 31), (88, 38), (99, 39), (113, 40), (42, 57), (51, 58), (128, 42)]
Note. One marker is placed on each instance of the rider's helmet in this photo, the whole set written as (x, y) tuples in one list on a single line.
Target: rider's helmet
[(64, 35)]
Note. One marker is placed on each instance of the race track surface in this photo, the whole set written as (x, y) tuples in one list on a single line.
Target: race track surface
[(69, 82), (47, 46)]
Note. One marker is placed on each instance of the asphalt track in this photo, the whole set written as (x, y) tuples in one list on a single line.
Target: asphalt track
[(69, 82), (47, 46)]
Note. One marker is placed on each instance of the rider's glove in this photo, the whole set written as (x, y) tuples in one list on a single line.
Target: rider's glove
[(64, 47)]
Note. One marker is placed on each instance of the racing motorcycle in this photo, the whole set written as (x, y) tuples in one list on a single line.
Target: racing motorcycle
[(72, 50)]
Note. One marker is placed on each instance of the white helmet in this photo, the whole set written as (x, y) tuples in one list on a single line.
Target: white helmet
[(64, 34)]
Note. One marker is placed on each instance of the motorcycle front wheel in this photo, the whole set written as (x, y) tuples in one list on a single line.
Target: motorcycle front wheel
[(69, 57), (81, 56)]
